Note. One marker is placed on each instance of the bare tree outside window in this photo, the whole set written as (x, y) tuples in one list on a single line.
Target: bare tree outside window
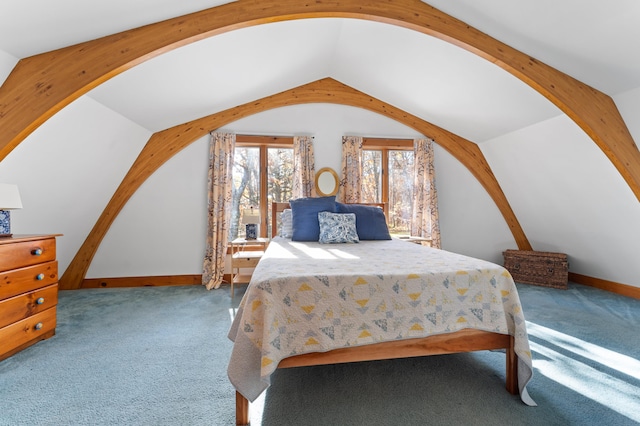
[(400, 191), (387, 177), (371, 176), (248, 188), (280, 178)]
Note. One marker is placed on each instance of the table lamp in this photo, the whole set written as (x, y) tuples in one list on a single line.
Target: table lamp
[(251, 219), (9, 200)]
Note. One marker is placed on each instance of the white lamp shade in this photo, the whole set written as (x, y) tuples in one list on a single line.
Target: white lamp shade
[(9, 197), (250, 216)]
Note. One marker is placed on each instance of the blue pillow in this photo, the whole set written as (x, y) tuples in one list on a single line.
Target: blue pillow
[(337, 228), (304, 212), (371, 223)]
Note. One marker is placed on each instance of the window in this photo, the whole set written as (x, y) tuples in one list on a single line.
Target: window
[(387, 177), (262, 174)]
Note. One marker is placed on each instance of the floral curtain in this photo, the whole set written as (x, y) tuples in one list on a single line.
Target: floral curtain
[(219, 186), (303, 167), (351, 182), (424, 218)]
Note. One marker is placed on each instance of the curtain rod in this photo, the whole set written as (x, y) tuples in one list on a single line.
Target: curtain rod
[(211, 132)]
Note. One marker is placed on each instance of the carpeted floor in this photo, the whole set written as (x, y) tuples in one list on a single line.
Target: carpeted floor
[(158, 356)]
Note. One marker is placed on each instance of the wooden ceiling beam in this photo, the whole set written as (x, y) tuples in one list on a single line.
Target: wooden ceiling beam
[(163, 145), (41, 85)]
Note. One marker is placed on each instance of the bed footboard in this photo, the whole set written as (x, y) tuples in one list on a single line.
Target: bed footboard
[(466, 340)]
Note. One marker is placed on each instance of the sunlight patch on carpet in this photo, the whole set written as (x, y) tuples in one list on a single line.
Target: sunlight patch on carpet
[(612, 392), (611, 359)]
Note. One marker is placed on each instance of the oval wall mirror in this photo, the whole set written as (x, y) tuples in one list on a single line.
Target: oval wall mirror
[(327, 182)]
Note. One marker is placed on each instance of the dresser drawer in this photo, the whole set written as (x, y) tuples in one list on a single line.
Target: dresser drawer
[(26, 279), (23, 333), (25, 305), (246, 259), (27, 253)]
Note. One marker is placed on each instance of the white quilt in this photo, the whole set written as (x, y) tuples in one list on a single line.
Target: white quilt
[(311, 297)]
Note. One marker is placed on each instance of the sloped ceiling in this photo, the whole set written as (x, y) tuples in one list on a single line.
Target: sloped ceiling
[(439, 82)]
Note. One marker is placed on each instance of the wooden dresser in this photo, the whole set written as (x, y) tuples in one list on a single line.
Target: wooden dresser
[(28, 291)]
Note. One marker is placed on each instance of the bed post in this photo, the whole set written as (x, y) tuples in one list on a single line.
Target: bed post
[(512, 368), (242, 409)]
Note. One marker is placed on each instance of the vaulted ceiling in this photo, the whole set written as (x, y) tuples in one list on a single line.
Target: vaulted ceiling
[(178, 72), (437, 81)]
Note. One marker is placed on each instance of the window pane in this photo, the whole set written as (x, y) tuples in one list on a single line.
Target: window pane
[(400, 191), (246, 186), (280, 178), (371, 176)]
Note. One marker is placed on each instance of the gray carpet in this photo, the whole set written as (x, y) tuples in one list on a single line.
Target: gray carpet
[(158, 356)]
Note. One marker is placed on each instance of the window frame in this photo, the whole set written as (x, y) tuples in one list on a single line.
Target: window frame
[(263, 142), (385, 145)]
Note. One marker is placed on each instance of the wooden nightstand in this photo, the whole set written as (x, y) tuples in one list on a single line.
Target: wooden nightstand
[(245, 254), (417, 240)]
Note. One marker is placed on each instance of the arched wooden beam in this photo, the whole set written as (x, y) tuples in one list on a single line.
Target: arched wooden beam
[(165, 144), (41, 85)]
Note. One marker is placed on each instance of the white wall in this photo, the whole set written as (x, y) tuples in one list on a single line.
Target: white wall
[(569, 198), (629, 106), (68, 169), (327, 123), (470, 222), (7, 63), (566, 194), (161, 230)]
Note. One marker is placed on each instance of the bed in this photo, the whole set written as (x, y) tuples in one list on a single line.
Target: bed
[(311, 303)]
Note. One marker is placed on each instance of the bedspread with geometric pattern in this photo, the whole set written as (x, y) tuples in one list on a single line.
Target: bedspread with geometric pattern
[(311, 297)]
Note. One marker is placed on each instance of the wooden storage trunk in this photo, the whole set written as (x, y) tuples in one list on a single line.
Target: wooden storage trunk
[(537, 267)]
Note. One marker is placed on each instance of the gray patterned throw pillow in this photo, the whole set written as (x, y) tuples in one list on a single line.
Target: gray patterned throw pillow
[(337, 228)]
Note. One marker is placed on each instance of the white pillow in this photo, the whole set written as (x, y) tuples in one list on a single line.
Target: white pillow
[(286, 229)]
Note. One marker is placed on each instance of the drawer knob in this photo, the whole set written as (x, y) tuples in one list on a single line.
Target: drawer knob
[(38, 326), (40, 301), (40, 277), (36, 252)]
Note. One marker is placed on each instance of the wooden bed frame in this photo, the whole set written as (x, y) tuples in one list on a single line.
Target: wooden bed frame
[(466, 340)]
